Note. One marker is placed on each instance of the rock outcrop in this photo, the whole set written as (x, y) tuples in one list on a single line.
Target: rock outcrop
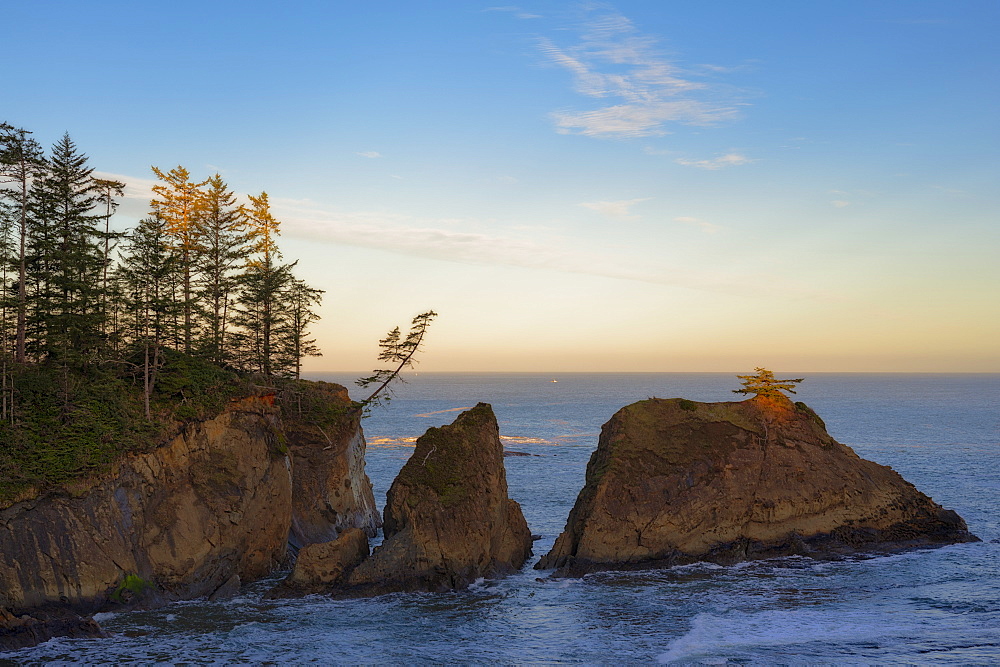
[(213, 502), (22, 632), (448, 520), (330, 490), (321, 567), (213, 507), (675, 481)]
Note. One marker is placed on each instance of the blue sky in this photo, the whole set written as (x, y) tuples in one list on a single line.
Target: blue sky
[(809, 186)]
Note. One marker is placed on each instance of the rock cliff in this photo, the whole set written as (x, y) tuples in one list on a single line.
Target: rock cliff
[(330, 490), (212, 507), (675, 481), (213, 502), (448, 520)]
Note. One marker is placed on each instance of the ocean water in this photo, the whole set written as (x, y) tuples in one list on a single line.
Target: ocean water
[(940, 606)]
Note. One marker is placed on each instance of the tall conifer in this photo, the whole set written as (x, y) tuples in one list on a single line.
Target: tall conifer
[(222, 240), (177, 203), (22, 160)]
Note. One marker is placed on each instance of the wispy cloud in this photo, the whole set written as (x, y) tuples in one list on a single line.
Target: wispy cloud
[(439, 240), (516, 11), (614, 61), (616, 210), (840, 203), (369, 154), (704, 225), (444, 239), (721, 162)]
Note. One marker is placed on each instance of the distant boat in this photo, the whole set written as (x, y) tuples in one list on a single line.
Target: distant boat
[(555, 380)]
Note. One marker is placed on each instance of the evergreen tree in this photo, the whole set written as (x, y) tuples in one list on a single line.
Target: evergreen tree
[(107, 190), (263, 283), (178, 205), (22, 160), (763, 383), (222, 239), (66, 249), (299, 302), (399, 352), (149, 273)]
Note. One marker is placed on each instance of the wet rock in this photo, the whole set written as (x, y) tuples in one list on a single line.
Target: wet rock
[(25, 631), (321, 567), (448, 520), (675, 481), (228, 590)]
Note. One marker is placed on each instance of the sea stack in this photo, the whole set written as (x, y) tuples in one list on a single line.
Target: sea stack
[(448, 520), (675, 481)]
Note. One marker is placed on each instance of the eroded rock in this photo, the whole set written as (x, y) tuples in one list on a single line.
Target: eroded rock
[(330, 489), (322, 567), (213, 502), (675, 481), (448, 520)]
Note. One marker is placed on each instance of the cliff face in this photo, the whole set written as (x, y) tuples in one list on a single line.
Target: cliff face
[(212, 504), (211, 508), (448, 520), (330, 490), (675, 481)]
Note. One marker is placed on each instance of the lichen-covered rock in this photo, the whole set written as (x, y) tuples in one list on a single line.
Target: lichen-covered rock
[(212, 503), (330, 489), (448, 520), (675, 481), (321, 567)]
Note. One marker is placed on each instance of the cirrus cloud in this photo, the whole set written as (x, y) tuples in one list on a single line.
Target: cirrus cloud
[(614, 62)]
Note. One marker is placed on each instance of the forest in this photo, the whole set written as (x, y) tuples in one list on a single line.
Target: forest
[(106, 336)]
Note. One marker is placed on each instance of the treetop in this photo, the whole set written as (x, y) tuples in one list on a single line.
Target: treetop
[(763, 383)]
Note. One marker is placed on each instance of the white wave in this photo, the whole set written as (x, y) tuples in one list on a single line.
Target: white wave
[(712, 636)]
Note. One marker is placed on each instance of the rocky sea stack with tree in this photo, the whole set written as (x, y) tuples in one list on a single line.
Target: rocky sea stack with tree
[(674, 481)]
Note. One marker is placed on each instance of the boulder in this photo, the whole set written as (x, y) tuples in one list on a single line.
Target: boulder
[(448, 520), (676, 481), (321, 567)]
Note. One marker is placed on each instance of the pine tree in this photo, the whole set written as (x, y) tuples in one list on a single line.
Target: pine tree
[(222, 236), (177, 204), (66, 253), (149, 272), (22, 160), (763, 383), (107, 190), (399, 352), (263, 283), (298, 304)]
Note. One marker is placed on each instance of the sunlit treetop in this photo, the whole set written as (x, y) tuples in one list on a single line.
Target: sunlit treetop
[(763, 383)]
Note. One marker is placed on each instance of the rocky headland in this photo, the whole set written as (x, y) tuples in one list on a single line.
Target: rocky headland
[(675, 481), (214, 506)]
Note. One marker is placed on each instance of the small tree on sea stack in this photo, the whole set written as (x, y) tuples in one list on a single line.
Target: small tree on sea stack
[(765, 384)]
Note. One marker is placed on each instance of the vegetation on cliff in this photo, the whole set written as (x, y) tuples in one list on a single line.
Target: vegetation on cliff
[(109, 339)]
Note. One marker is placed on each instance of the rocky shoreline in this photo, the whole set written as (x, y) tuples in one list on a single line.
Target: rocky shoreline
[(231, 499)]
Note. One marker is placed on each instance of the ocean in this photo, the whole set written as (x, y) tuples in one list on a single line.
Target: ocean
[(941, 606)]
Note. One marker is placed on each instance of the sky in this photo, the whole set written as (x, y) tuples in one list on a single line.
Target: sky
[(639, 186)]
